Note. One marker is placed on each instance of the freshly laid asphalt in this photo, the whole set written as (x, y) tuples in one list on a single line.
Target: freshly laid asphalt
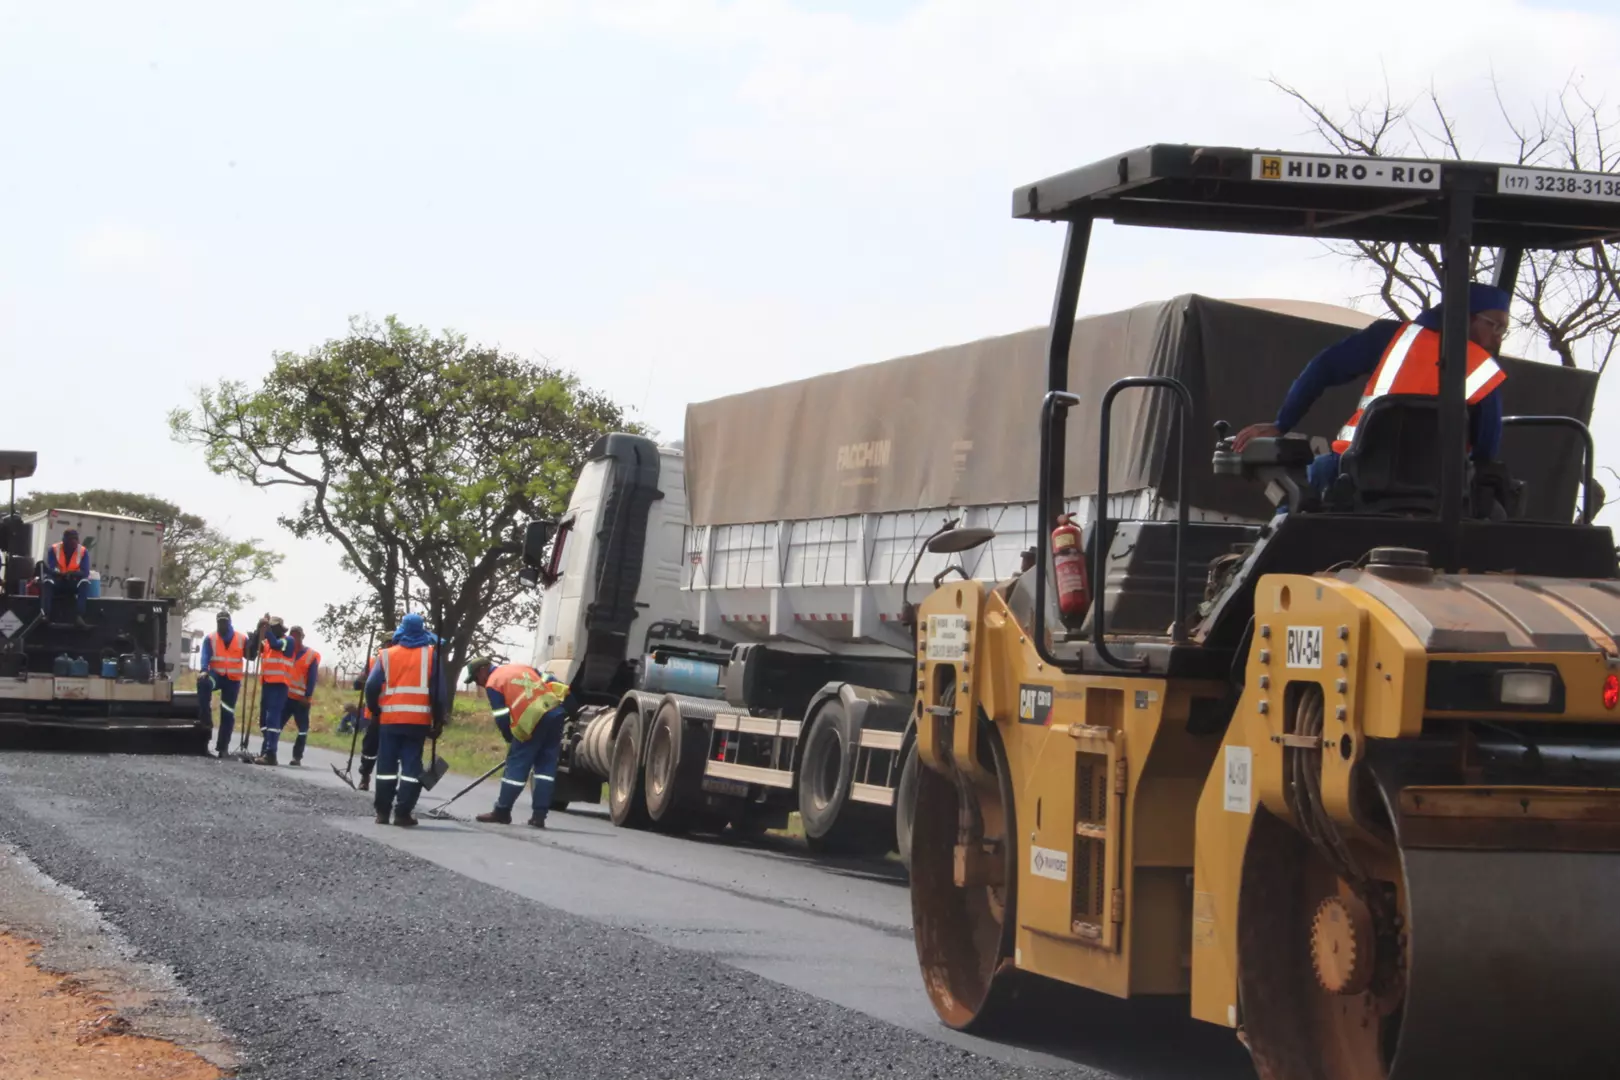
[(329, 946)]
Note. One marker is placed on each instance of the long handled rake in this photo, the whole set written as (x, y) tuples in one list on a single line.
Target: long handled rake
[(441, 812)]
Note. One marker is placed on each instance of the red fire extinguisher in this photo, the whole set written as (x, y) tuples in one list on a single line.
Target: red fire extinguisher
[(1069, 565)]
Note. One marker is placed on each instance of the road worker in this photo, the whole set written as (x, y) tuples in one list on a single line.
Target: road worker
[(303, 673), (406, 693), (269, 644), (67, 566), (530, 708), (222, 663), (370, 734), (1402, 358)]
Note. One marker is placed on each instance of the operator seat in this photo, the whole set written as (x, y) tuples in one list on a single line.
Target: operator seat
[(1393, 465)]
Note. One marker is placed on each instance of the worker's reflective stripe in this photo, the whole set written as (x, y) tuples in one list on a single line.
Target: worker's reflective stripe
[(368, 757), (514, 783), (543, 776), (271, 730), (227, 708), (501, 712), (390, 776), (408, 779), (1480, 378)]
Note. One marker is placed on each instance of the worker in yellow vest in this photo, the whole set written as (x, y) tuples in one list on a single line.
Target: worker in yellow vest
[(530, 708)]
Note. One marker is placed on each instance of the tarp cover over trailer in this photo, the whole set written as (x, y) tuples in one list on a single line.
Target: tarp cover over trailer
[(958, 426)]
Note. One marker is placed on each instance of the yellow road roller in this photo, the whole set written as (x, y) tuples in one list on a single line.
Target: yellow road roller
[(1349, 781)]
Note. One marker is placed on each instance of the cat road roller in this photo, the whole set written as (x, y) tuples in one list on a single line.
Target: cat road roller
[(1350, 780)]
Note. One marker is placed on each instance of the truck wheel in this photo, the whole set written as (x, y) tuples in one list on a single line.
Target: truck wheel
[(831, 823), (675, 752), (625, 802), (905, 805)]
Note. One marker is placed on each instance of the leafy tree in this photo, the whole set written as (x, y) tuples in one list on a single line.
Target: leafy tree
[(420, 456), (202, 567), (1570, 300)]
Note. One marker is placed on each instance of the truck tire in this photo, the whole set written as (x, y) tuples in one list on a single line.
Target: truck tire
[(674, 770), (832, 824), (626, 803), (905, 804)]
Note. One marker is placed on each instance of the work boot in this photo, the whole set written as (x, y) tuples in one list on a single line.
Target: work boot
[(496, 817), (365, 782), (405, 821), (296, 761), (537, 822), (382, 817), (264, 759)]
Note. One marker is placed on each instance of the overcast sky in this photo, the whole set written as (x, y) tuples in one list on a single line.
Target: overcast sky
[(677, 199)]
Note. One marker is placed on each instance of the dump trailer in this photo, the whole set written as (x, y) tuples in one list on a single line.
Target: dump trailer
[(114, 672), (736, 613), (1362, 803)]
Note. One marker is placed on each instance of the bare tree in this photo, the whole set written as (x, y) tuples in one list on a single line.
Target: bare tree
[(1570, 300)]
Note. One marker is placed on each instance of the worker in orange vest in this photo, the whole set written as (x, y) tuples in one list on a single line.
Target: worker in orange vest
[(67, 566), (373, 732), (269, 644), (303, 672), (1398, 357), (222, 663), (530, 709), (406, 692)]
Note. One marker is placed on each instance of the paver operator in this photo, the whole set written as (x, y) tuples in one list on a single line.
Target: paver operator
[(1402, 358), (406, 692), (530, 708), (67, 566)]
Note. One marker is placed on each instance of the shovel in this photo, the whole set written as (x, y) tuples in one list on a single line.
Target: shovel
[(436, 769), (442, 811)]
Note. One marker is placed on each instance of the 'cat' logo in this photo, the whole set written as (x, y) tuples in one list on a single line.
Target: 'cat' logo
[(1034, 704)]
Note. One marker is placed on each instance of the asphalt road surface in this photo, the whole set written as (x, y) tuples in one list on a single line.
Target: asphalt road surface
[(329, 946)]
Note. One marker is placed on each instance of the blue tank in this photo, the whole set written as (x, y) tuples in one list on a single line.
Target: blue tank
[(682, 675)]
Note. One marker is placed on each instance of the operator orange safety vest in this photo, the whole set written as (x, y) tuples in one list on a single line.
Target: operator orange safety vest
[(225, 660), (298, 679), (1411, 365), (529, 696), (63, 566), (406, 698), (275, 666)]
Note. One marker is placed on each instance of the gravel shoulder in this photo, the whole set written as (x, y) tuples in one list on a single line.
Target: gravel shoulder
[(325, 953)]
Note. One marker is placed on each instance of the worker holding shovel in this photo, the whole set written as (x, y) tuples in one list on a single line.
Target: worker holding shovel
[(530, 708)]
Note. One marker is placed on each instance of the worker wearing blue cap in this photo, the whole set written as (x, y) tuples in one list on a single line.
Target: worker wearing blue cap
[(1403, 358)]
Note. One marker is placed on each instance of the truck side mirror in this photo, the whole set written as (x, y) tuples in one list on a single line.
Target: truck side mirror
[(536, 535)]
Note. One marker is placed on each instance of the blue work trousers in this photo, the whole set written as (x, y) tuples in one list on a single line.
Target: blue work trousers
[(297, 712), (399, 766), (369, 743), (227, 689), (272, 704), (81, 594), (539, 755)]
